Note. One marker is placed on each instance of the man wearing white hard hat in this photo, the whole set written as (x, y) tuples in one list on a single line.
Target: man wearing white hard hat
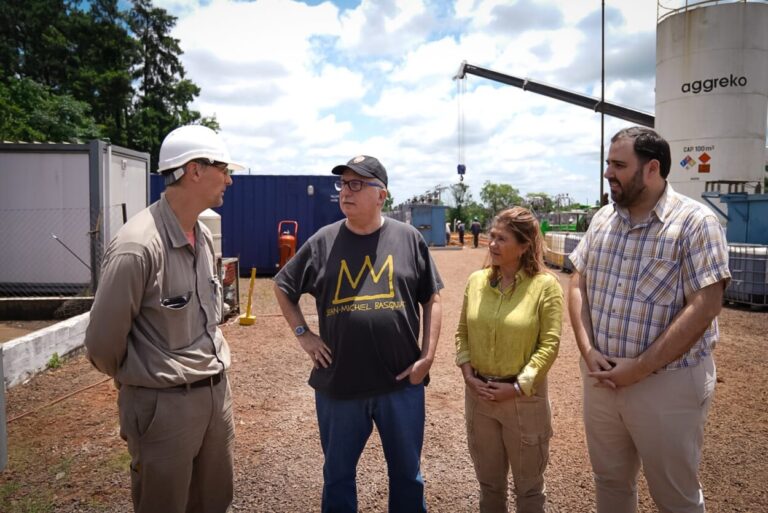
[(154, 329)]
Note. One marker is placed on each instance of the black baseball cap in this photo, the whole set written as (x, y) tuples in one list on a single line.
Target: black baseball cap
[(364, 165)]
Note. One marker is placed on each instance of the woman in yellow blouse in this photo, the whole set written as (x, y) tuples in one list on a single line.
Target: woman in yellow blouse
[(507, 339)]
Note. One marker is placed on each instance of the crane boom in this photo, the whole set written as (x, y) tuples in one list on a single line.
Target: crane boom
[(610, 109)]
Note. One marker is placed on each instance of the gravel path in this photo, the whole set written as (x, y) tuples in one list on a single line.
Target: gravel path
[(67, 456)]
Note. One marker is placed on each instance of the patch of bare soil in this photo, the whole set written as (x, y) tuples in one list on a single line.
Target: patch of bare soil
[(14, 329), (68, 457)]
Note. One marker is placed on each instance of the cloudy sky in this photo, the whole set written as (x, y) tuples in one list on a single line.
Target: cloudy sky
[(300, 86)]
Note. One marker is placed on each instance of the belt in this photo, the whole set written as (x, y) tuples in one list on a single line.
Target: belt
[(209, 381), (496, 379)]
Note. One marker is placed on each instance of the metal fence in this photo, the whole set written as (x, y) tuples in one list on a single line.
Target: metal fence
[(3, 422), (749, 274), (748, 264), (53, 252)]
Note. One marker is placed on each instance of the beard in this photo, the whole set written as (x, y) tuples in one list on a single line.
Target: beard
[(628, 193)]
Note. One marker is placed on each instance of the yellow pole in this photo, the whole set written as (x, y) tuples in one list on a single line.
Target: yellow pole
[(248, 319)]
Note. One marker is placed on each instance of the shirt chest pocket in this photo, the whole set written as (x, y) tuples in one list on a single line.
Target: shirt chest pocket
[(658, 280), (174, 308)]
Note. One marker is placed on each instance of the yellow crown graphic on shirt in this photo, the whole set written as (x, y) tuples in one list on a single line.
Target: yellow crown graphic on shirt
[(388, 289)]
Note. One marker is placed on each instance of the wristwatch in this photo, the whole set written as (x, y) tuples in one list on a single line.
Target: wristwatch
[(300, 330)]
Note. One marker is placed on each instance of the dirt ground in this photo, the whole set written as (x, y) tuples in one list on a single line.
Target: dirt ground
[(66, 456), (10, 330)]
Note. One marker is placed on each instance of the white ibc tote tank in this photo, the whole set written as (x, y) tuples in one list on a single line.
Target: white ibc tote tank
[(213, 221), (712, 92)]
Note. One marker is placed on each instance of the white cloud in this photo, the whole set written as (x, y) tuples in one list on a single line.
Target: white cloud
[(299, 88), (384, 27)]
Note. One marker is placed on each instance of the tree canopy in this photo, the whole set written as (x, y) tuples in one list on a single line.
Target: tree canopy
[(498, 196), (74, 70), (495, 197)]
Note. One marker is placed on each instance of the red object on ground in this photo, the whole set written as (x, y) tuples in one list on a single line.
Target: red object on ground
[(286, 241)]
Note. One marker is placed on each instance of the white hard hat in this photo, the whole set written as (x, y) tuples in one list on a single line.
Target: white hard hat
[(193, 142)]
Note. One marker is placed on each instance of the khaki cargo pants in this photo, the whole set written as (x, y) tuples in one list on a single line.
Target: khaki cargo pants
[(181, 444), (510, 434)]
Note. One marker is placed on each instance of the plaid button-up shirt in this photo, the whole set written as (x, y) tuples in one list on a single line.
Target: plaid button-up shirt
[(638, 277)]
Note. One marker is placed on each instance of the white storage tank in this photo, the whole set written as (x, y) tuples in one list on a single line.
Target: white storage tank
[(213, 221), (712, 92)]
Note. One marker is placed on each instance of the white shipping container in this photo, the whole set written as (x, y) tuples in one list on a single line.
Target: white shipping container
[(57, 195)]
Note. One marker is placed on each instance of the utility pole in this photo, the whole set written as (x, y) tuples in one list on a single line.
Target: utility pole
[(602, 101)]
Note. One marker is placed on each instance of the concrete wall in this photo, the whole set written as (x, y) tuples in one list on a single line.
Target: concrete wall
[(3, 422), (25, 356)]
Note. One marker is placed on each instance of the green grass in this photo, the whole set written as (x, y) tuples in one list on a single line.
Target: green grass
[(62, 467), (55, 361), (6, 490), (42, 504), (120, 461)]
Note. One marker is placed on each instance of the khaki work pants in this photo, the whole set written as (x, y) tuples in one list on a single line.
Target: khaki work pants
[(181, 443), (510, 434), (657, 422)]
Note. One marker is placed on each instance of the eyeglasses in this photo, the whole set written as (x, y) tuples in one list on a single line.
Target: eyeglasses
[(355, 185), (221, 166)]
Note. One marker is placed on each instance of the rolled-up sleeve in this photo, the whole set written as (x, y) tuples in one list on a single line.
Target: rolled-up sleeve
[(550, 311), (705, 259), (298, 276), (462, 334)]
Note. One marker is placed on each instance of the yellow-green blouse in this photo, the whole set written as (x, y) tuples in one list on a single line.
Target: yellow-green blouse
[(512, 333)]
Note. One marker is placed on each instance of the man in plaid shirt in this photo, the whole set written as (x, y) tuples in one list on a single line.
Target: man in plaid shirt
[(644, 297)]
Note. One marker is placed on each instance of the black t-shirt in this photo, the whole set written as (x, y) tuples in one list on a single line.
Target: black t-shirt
[(367, 290)]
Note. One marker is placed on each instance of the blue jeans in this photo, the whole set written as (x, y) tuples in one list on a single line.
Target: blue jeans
[(346, 425)]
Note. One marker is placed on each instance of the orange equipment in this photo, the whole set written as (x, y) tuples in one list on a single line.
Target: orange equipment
[(286, 241)]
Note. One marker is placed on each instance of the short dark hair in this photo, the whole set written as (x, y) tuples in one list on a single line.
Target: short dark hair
[(648, 145)]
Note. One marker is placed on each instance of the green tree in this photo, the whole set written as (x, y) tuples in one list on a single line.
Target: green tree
[(33, 42), (211, 122), (85, 68), (388, 202), (31, 112), (461, 196), (164, 92), (101, 72), (498, 196), (540, 202), (74, 54), (474, 210)]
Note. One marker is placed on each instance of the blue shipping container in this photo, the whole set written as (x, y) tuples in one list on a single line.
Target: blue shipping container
[(430, 221), (255, 204)]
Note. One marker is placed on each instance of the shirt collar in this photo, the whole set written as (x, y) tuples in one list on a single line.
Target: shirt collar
[(666, 203), (171, 223), (660, 210), (519, 277)]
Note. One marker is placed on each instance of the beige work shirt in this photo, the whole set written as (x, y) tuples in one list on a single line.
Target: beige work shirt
[(154, 321)]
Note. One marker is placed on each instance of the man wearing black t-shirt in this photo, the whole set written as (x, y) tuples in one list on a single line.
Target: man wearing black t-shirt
[(368, 276)]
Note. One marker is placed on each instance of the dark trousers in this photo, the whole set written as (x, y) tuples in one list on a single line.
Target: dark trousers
[(475, 239)]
